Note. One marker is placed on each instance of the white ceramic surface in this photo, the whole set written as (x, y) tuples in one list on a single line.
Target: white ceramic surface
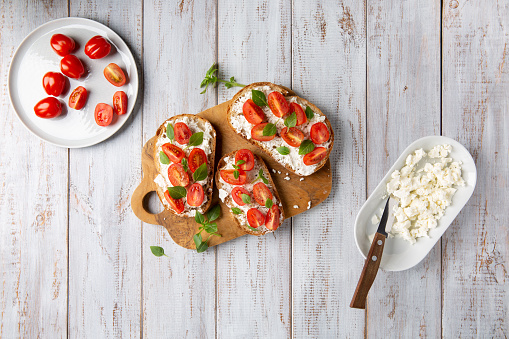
[(398, 253), (34, 57)]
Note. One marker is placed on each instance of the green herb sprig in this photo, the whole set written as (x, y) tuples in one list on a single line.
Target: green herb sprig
[(206, 225), (157, 251), (236, 173), (212, 79), (260, 176)]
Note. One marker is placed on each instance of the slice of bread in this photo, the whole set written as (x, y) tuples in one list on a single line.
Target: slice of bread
[(293, 161), (226, 162), (196, 124)]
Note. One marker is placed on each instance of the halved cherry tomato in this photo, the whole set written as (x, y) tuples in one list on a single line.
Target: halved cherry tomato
[(315, 156), (78, 98), (257, 133), (182, 133), (252, 112), (301, 116), (195, 195), (272, 218), (120, 102), (103, 114), (53, 83), (62, 44), (197, 157), (292, 136), (278, 104), (177, 175), (247, 156), (255, 218), (115, 75), (173, 152), (237, 195), (97, 47), (228, 176), (71, 66), (261, 193), (319, 133), (49, 107), (176, 204)]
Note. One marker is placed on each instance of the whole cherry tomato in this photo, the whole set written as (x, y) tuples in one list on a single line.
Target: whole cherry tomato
[(97, 47), (78, 98), (120, 102), (53, 83), (71, 66), (49, 107), (103, 114), (62, 44)]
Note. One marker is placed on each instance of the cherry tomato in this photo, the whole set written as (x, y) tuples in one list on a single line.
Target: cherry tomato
[(315, 156), (182, 133), (257, 133), (261, 193), (49, 107), (97, 47), (71, 66), (53, 83), (176, 204), (78, 98), (62, 44), (319, 133), (197, 157), (278, 104), (237, 195), (120, 102), (252, 112), (195, 195), (103, 114), (272, 218), (174, 153), (177, 175), (255, 218), (292, 136), (114, 75), (301, 116), (229, 177), (247, 156)]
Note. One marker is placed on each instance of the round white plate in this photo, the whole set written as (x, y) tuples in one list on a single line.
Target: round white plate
[(34, 57)]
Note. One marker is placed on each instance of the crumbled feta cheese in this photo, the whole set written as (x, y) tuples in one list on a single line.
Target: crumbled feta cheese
[(295, 206), (278, 172), (273, 171), (301, 179), (309, 204), (286, 173), (287, 178)]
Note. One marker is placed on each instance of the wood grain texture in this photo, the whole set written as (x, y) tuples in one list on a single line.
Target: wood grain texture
[(475, 112), (329, 69)]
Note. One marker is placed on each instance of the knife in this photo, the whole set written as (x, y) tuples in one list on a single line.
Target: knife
[(374, 256)]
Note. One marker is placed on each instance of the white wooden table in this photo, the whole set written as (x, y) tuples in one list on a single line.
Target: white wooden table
[(75, 262)]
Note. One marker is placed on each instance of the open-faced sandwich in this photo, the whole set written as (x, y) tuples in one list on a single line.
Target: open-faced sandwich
[(246, 187), (290, 129), (184, 158)]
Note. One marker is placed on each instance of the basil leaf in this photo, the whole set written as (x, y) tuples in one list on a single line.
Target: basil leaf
[(163, 158), (157, 251), (177, 192), (309, 113), (269, 203), (196, 139), (269, 130), (199, 218), (240, 162), (283, 150), (291, 121), (184, 164), (259, 98), (236, 210), (202, 247), (235, 166), (253, 229), (236, 174), (260, 176), (210, 228), (214, 213), (246, 198), (200, 173), (197, 239), (306, 147), (169, 132)]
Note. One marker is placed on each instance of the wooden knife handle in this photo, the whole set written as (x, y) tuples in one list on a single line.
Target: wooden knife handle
[(368, 272)]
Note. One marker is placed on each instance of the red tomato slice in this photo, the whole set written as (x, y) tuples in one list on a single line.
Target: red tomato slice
[(278, 104), (319, 133), (176, 204), (195, 195), (49, 107), (177, 175), (314, 157), (115, 75), (53, 83), (228, 176), (247, 156), (261, 193), (257, 133), (237, 195), (252, 112), (301, 116), (272, 218), (103, 114), (174, 153), (78, 98), (197, 157), (255, 218), (292, 136), (120, 102), (71, 66), (182, 133), (62, 44), (97, 47)]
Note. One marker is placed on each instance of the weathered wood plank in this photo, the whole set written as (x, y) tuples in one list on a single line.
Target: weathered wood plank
[(33, 202), (329, 69), (475, 112), (104, 234)]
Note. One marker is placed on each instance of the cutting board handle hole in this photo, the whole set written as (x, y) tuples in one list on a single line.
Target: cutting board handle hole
[(151, 203)]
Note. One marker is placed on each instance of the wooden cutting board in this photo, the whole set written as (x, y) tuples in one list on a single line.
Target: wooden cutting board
[(295, 194)]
